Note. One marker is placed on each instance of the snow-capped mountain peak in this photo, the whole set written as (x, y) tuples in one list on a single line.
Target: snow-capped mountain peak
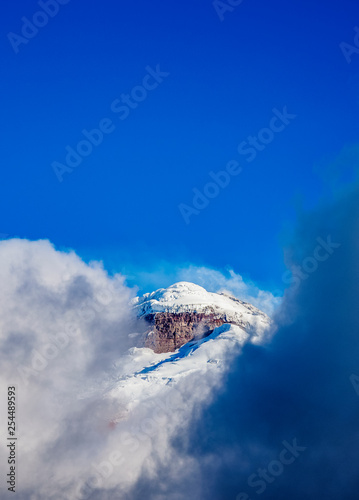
[(170, 312), (184, 297)]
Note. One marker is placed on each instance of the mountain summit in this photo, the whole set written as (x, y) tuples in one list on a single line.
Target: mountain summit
[(185, 311), (206, 331)]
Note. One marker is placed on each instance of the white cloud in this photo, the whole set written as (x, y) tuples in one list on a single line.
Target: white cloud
[(63, 324), (66, 330), (233, 283)]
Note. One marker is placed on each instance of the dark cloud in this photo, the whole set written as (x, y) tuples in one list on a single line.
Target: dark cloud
[(296, 390)]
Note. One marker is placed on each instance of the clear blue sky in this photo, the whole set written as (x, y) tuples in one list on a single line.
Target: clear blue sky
[(225, 78)]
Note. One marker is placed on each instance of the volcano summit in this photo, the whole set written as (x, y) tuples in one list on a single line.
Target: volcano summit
[(185, 312)]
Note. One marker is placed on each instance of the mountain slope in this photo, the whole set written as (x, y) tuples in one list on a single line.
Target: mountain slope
[(205, 356), (185, 311)]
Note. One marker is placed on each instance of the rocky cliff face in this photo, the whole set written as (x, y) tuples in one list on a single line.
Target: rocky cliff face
[(185, 311), (169, 331)]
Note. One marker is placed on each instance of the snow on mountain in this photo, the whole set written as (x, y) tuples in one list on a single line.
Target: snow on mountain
[(188, 297), (208, 357), (151, 396)]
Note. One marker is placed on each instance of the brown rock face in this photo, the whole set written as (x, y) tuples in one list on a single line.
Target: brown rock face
[(169, 331)]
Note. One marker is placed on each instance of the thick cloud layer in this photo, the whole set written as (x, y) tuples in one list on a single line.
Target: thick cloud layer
[(67, 337), (63, 324), (286, 423)]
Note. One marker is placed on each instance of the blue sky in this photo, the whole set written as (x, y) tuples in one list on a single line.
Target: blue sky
[(224, 79)]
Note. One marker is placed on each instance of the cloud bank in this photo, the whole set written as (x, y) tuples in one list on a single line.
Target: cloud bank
[(286, 422), (67, 339), (283, 425), (63, 326)]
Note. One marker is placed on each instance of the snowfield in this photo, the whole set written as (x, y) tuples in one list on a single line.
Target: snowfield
[(210, 355), (154, 372)]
